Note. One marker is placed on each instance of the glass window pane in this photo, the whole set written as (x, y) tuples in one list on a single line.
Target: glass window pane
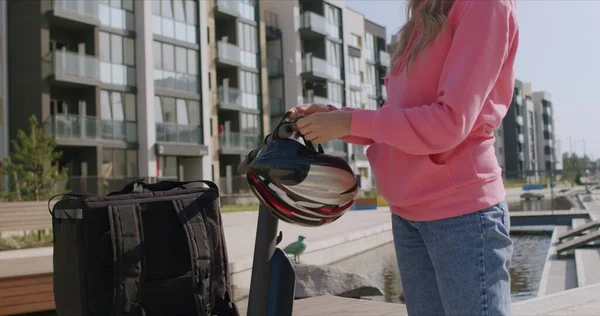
[(132, 163), (104, 46), (191, 11), (156, 7), (107, 163), (179, 12), (194, 113), (119, 164), (130, 108), (182, 115), (157, 52), (170, 169), (192, 61), (180, 59), (166, 8), (116, 49), (158, 112), (128, 5), (105, 105), (168, 57), (117, 106), (169, 110), (129, 51)]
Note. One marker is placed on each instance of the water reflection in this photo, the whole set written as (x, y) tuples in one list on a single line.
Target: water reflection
[(529, 256)]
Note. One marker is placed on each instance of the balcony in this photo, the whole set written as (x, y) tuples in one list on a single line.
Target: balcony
[(277, 106), (384, 59), (178, 133), (237, 100), (238, 143), (548, 111), (370, 55), (90, 128), (320, 69), (384, 94), (336, 147), (275, 67), (520, 120), (359, 152), (313, 25), (169, 80), (237, 9), (72, 67), (354, 80), (521, 138), (232, 55), (83, 11)]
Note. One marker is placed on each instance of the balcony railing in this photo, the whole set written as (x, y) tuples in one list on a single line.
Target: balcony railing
[(239, 141), (90, 128), (520, 120), (83, 8), (319, 24), (275, 66), (178, 133), (354, 80), (277, 106), (384, 58), (65, 64), (175, 81), (117, 74), (237, 8), (234, 185), (321, 68), (236, 99), (334, 146), (232, 54)]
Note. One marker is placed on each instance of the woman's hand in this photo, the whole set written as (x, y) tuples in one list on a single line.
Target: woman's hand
[(320, 127), (307, 109)]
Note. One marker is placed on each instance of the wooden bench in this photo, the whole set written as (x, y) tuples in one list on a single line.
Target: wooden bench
[(26, 294), (23, 216)]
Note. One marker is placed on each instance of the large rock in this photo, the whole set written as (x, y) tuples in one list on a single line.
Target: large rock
[(326, 280)]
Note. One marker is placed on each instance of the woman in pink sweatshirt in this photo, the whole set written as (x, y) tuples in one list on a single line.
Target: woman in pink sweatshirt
[(431, 148)]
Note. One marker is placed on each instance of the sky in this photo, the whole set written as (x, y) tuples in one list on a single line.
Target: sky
[(559, 52)]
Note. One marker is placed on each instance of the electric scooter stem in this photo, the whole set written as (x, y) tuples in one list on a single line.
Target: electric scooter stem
[(264, 247)]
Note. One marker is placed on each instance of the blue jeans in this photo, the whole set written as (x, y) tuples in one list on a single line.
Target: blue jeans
[(456, 266)]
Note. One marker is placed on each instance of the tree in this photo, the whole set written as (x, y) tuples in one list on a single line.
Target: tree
[(32, 165)]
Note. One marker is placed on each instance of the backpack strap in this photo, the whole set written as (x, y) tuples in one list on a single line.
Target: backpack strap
[(128, 248), (201, 253)]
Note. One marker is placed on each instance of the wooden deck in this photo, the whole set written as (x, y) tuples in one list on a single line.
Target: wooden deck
[(26, 294), (583, 301)]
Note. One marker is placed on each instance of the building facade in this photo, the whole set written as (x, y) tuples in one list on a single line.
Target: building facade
[(180, 89), (546, 151)]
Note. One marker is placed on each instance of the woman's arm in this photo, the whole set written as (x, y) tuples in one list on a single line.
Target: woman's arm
[(356, 140), (482, 41)]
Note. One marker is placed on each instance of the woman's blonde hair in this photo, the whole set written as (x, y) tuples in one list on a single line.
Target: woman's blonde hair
[(425, 20)]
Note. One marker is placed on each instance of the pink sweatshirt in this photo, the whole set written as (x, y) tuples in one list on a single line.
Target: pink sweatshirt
[(432, 143)]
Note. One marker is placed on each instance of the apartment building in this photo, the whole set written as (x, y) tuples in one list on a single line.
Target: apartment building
[(118, 83), (4, 140), (324, 52), (514, 134), (546, 150)]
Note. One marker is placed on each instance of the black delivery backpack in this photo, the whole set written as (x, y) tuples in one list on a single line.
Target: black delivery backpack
[(149, 249)]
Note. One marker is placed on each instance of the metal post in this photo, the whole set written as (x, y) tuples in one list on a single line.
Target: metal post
[(264, 247)]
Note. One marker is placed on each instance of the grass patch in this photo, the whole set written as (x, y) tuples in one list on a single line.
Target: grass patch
[(238, 208), (511, 184), (31, 240)]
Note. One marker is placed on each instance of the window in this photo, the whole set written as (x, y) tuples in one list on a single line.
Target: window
[(249, 124), (169, 167), (118, 114), (177, 120), (176, 67), (117, 14), (117, 54), (335, 93), (247, 37), (334, 54), (176, 19), (369, 46), (355, 98), (355, 41), (332, 14), (119, 163), (249, 82), (354, 65)]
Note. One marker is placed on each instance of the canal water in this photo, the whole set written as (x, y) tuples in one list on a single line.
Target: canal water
[(530, 250)]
